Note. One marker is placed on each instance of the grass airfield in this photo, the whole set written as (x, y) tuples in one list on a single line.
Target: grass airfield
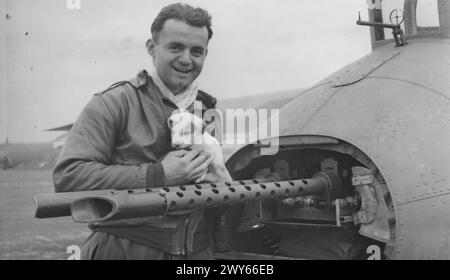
[(21, 235)]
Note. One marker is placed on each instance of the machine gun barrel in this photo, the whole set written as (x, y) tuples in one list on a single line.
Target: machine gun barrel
[(378, 24), (124, 205), (397, 32), (58, 204)]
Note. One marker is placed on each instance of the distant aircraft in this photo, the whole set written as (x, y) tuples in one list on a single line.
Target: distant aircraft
[(32, 155), (271, 100), (27, 155)]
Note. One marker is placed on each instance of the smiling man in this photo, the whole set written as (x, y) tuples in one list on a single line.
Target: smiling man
[(121, 141), (178, 51)]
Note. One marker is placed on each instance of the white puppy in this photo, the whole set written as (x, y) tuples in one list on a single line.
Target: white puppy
[(188, 133)]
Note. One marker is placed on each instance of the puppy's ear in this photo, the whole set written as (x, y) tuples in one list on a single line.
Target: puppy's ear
[(207, 122)]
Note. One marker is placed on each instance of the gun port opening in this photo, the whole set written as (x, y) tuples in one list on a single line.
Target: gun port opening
[(312, 222)]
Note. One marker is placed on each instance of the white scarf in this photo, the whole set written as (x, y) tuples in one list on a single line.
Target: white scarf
[(183, 99)]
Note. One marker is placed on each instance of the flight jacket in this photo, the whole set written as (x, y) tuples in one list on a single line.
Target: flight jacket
[(118, 142)]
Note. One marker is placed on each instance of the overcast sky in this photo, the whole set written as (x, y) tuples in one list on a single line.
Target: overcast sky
[(54, 58)]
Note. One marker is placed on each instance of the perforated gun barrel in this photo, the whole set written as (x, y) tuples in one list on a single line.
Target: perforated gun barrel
[(124, 205), (54, 205)]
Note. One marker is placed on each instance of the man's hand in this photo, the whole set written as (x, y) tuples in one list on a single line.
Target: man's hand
[(184, 166)]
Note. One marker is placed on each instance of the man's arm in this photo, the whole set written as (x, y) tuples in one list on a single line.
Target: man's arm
[(85, 162)]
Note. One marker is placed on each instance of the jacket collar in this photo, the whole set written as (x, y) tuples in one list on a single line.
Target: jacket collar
[(141, 79)]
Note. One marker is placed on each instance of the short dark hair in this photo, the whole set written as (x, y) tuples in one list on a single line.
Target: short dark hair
[(193, 16)]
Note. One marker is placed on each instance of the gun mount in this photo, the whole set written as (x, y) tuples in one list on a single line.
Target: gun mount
[(397, 32)]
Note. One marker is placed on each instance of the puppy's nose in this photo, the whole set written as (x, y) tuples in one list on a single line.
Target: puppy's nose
[(176, 146)]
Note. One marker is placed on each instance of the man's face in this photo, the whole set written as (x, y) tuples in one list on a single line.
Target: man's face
[(179, 53)]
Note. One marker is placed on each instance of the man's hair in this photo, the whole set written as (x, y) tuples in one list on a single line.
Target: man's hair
[(193, 16)]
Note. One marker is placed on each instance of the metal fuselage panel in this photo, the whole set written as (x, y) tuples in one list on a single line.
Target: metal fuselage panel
[(399, 115)]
